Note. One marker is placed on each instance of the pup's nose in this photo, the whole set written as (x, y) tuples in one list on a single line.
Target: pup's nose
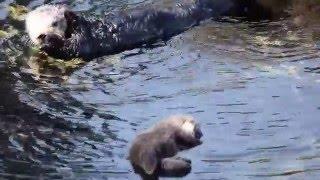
[(198, 134)]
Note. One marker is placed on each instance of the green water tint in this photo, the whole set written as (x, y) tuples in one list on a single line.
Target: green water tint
[(8, 32), (3, 34), (17, 12)]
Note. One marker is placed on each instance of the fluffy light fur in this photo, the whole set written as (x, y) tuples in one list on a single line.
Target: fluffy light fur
[(184, 123), (45, 20)]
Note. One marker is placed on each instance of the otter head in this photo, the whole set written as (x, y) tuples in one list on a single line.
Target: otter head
[(49, 24), (187, 125)]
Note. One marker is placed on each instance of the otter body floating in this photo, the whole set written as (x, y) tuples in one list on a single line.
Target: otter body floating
[(152, 152), (64, 34)]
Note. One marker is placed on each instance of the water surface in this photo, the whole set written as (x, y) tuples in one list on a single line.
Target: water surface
[(253, 86)]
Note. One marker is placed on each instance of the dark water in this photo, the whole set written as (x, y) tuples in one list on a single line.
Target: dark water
[(254, 87)]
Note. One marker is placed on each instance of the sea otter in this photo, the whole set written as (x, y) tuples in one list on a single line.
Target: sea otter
[(64, 34), (152, 152)]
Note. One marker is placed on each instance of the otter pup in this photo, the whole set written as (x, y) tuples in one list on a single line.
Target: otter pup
[(151, 153)]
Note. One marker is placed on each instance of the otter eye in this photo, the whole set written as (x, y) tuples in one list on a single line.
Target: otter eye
[(55, 24), (41, 36)]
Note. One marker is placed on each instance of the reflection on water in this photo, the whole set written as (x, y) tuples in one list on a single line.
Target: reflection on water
[(253, 86)]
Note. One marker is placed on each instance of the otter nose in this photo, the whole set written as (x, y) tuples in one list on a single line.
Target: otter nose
[(42, 37), (198, 134), (52, 40)]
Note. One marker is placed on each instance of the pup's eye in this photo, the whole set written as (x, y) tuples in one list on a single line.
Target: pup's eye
[(55, 24), (41, 36)]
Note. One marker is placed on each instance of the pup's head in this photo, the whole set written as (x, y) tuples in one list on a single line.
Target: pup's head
[(187, 124), (48, 22)]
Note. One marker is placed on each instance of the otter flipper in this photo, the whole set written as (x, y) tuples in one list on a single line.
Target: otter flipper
[(175, 167)]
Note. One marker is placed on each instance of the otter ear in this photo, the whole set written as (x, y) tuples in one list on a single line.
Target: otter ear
[(71, 22), (69, 15), (149, 162)]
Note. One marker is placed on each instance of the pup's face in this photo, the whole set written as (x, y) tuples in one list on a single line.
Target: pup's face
[(186, 124), (48, 20), (189, 126)]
